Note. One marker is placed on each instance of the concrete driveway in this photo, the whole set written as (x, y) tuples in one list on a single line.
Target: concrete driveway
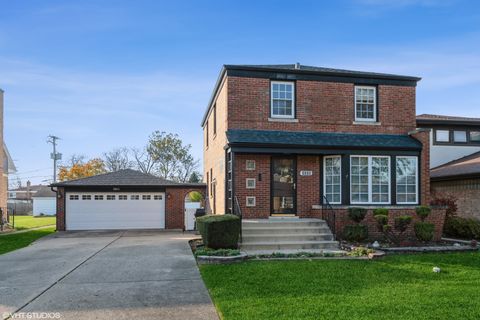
[(106, 275)]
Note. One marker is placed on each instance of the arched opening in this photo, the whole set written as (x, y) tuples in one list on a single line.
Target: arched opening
[(193, 200)]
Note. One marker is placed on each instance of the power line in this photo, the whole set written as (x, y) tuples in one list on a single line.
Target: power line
[(55, 156)]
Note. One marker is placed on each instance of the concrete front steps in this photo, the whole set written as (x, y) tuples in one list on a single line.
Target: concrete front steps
[(287, 235)]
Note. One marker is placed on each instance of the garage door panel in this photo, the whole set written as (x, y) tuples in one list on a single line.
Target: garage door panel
[(115, 214)]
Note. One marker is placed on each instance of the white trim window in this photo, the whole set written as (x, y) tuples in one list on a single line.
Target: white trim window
[(86, 197), (460, 136), (332, 185), (250, 183), (74, 197), (110, 197), (250, 201), (282, 100), (250, 165), (407, 180), (98, 197), (370, 179), (442, 135), (365, 103)]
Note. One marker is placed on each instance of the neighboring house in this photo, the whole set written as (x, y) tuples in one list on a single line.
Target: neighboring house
[(7, 166), (21, 199), (451, 137), (292, 140), (126, 199), (44, 202), (461, 179), (455, 160)]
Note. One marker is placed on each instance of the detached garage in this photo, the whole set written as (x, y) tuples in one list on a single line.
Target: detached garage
[(126, 199)]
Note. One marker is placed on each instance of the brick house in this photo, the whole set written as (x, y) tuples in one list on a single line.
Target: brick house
[(294, 140)]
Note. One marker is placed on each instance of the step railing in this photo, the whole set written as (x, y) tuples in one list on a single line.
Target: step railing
[(328, 214), (238, 212)]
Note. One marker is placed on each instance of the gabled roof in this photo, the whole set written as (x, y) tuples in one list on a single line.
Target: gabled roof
[(466, 167), (126, 177), (45, 192), (329, 140), (301, 72), (425, 119)]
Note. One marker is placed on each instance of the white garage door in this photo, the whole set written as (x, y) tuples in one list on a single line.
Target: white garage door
[(114, 210)]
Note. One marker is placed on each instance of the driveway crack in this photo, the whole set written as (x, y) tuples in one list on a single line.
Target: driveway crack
[(64, 276)]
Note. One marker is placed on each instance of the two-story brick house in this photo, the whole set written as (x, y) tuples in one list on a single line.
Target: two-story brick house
[(283, 140)]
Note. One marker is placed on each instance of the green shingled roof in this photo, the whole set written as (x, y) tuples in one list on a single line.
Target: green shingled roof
[(321, 140)]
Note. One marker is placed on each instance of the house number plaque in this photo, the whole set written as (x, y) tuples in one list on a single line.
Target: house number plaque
[(306, 173)]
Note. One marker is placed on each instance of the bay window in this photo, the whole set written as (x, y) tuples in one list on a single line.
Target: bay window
[(331, 179), (370, 179), (407, 180)]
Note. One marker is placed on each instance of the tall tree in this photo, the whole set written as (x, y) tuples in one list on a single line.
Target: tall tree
[(172, 158), (143, 160), (117, 159), (81, 170)]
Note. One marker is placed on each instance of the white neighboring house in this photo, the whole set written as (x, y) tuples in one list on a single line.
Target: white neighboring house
[(44, 202)]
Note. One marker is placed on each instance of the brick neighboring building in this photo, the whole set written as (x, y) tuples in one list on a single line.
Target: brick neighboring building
[(283, 140)]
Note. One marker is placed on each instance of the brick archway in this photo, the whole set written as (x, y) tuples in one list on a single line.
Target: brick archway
[(175, 205)]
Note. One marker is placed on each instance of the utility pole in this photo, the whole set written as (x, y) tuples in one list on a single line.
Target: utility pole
[(54, 155)]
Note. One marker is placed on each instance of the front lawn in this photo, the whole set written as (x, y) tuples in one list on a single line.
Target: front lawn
[(395, 287), (28, 222), (16, 241)]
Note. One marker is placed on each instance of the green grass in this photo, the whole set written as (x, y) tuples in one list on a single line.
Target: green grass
[(16, 241), (396, 287), (28, 222)]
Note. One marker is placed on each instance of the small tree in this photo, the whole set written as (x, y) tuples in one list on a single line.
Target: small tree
[(77, 171), (117, 159), (143, 160)]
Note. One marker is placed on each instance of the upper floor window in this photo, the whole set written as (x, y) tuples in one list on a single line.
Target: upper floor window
[(460, 136), (365, 103), (475, 136), (282, 100), (442, 135)]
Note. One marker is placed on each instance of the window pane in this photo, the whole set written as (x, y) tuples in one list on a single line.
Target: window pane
[(380, 179), (365, 103), (282, 100), (460, 136), (407, 188), (359, 179), (332, 187), (442, 136), (475, 136)]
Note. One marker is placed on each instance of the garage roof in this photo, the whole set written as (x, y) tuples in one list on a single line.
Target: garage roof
[(463, 168), (126, 177)]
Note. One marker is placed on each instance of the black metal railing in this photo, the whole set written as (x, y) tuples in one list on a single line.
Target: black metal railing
[(238, 212), (328, 214)]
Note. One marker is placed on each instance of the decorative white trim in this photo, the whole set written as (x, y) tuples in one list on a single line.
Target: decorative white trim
[(367, 123), (374, 104), (247, 162), (251, 180), (283, 120), (252, 203)]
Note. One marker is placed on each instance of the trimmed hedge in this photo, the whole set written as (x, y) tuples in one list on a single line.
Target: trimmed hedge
[(463, 228), (219, 231), (402, 222), (380, 212), (424, 231), (357, 214), (423, 212), (355, 232), (381, 221)]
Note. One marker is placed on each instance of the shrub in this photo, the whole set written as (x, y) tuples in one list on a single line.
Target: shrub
[(380, 212), (355, 232), (423, 212), (424, 231), (219, 231), (402, 222), (382, 220), (464, 228), (357, 214), (446, 200), (360, 252), (217, 253)]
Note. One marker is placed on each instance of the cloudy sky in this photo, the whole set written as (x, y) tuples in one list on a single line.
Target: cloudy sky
[(105, 74)]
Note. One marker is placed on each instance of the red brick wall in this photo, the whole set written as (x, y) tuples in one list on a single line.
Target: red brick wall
[(466, 192), (60, 209), (175, 206), (437, 217), (308, 187), (424, 166), (320, 106)]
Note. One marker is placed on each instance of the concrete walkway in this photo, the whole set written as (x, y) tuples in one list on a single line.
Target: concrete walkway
[(106, 275)]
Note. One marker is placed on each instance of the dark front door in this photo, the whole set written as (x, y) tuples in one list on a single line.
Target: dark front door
[(283, 179)]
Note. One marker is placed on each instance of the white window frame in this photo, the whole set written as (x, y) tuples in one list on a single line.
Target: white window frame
[(251, 162), (74, 197), (416, 180), (146, 197), (250, 198), (247, 180), (374, 104), (98, 197), (157, 197), (370, 179), (292, 116), (86, 197), (325, 177), (111, 197), (122, 197), (442, 130), (134, 197)]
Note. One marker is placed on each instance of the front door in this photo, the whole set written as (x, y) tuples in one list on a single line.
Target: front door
[(283, 196)]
